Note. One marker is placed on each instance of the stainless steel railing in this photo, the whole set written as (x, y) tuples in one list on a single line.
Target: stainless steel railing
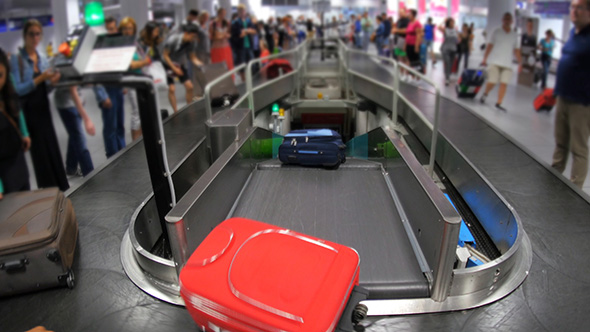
[(397, 66)]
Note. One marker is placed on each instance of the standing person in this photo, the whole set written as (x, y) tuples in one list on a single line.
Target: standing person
[(219, 34), (309, 28), (178, 49), (367, 27), (110, 102), (503, 43), (191, 18), (277, 42), (203, 50), (342, 24), (128, 27), (264, 52), (387, 27), (269, 29), (255, 38), (414, 35), (449, 46), (287, 34), (413, 38), (465, 45), (261, 36), (529, 38), (400, 40), (546, 46), (32, 77), (72, 113), (572, 116), (358, 28), (150, 39), (380, 35), (429, 30), (241, 38), (14, 136)]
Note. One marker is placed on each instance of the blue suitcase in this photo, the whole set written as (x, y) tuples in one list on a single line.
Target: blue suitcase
[(313, 147), (470, 83)]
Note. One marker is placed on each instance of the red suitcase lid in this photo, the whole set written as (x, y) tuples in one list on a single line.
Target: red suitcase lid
[(276, 277)]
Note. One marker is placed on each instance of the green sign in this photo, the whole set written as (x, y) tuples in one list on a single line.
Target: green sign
[(93, 14)]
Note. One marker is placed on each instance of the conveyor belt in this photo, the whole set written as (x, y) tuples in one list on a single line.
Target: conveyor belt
[(555, 217), (554, 297), (352, 206)]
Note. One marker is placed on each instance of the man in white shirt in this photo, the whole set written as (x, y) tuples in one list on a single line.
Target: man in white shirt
[(503, 43)]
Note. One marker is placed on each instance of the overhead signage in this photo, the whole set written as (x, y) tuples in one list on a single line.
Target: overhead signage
[(552, 8)]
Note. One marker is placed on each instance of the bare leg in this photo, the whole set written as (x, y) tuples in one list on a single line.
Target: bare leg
[(135, 134), (501, 92), (172, 96), (489, 87), (188, 85)]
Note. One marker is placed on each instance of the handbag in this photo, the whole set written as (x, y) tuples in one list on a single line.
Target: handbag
[(158, 73), (373, 37)]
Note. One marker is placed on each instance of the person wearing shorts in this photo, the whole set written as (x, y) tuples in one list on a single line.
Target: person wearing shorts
[(178, 48), (503, 42)]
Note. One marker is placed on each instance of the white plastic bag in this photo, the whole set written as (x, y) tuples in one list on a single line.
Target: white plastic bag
[(158, 73)]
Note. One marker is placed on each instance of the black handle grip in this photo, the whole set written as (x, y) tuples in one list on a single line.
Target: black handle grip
[(14, 265)]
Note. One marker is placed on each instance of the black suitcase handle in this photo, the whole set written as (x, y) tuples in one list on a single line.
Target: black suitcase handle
[(15, 265)]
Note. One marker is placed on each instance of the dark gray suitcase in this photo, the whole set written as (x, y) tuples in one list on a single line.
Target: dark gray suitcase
[(38, 234), (223, 93)]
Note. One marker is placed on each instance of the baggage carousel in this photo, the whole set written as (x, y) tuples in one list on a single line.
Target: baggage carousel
[(554, 216)]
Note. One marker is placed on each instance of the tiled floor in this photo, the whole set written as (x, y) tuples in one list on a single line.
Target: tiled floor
[(532, 130)]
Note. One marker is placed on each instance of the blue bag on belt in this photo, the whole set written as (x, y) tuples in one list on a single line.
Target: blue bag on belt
[(313, 147), (470, 82)]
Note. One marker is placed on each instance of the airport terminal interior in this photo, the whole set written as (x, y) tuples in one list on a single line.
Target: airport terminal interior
[(450, 200)]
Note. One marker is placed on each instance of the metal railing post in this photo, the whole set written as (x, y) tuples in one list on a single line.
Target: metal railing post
[(395, 94), (249, 91), (434, 133), (300, 57), (346, 75)]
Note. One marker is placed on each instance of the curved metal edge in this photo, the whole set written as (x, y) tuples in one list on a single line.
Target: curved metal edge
[(165, 292), (522, 263), (135, 243)]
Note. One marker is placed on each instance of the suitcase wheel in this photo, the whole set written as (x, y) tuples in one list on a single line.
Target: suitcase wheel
[(359, 313), (71, 279), (68, 279)]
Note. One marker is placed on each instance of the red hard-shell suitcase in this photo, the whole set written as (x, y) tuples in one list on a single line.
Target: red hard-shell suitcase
[(545, 101), (251, 276)]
